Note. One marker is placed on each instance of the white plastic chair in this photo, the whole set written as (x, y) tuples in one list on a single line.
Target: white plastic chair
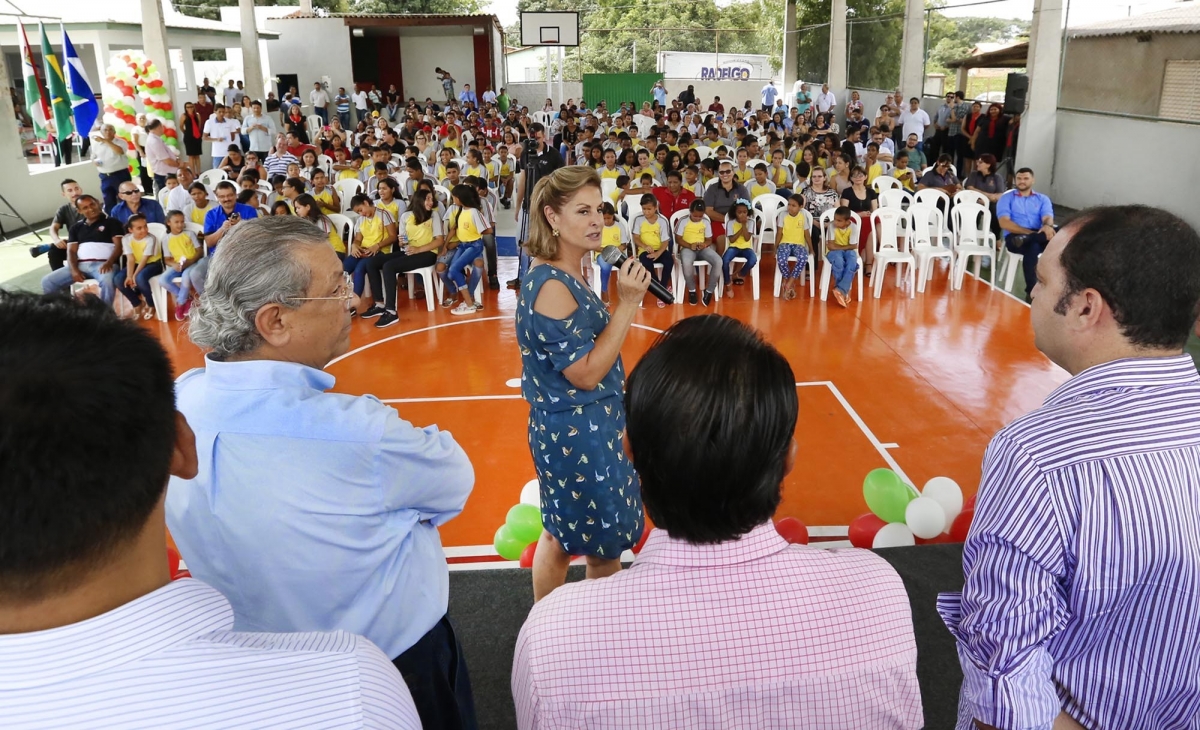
[(442, 193), (932, 196), (755, 245), (195, 228), (701, 266), (607, 186), (704, 151), (971, 196), (769, 206), (898, 198), (884, 183), (925, 241), (346, 190), (325, 162), (157, 293), (889, 240), (210, 178), (810, 267), (973, 238), (315, 123), (344, 227), (827, 235), (542, 118)]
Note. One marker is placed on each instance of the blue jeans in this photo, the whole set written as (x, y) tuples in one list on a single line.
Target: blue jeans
[(845, 265), (323, 113), (61, 279), (344, 118), (181, 291), (605, 272), (141, 290), (732, 253), (357, 268), (109, 184), (668, 265), (455, 276)]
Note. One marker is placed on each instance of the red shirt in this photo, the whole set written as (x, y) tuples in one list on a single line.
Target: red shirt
[(669, 203), (300, 149)]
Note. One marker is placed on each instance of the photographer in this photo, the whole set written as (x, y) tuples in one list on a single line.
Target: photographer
[(218, 222)]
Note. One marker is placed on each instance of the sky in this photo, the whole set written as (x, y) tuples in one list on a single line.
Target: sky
[(1082, 12)]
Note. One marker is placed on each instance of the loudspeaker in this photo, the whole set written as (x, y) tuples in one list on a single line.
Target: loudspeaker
[(1014, 93)]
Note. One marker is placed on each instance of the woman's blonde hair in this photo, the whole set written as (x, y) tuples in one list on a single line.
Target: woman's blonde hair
[(554, 190)]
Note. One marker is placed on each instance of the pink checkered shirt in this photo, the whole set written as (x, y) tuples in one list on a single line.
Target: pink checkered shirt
[(752, 633)]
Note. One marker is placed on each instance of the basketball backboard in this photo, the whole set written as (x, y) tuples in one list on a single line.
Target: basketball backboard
[(550, 29)]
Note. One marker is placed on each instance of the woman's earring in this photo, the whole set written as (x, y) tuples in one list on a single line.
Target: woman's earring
[(555, 232)]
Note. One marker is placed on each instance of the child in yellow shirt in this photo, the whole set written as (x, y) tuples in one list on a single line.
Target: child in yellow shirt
[(761, 185), (793, 242), (614, 234), (842, 255), (739, 235), (180, 252), (651, 239), (143, 262)]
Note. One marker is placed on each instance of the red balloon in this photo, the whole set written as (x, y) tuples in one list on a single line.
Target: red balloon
[(182, 574), (863, 529), (173, 559), (527, 555), (645, 534), (970, 503), (962, 524), (792, 530)]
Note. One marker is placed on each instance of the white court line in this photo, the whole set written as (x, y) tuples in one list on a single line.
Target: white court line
[(506, 396), (369, 345), (889, 446), (887, 457)]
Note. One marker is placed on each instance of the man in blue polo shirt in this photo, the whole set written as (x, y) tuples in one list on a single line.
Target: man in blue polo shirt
[(132, 203), (218, 222), (1027, 218)]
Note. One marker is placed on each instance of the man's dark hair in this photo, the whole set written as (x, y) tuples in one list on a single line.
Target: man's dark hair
[(153, 124), (1145, 263), (1028, 170), (73, 496), (674, 173), (710, 442), (66, 182), (225, 185)]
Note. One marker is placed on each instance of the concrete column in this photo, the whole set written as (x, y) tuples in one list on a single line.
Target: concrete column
[(837, 51), (791, 40), (103, 59), (912, 54), (189, 74), (306, 6), (962, 78), (1035, 147), (154, 43), (252, 73), (10, 140)]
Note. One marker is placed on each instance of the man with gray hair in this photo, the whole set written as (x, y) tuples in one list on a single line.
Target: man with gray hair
[(314, 511)]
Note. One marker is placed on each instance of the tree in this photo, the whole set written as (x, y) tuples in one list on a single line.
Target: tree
[(211, 8), (405, 7)]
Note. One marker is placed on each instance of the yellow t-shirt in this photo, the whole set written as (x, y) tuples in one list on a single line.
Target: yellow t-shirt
[(611, 236), (793, 230), (421, 234), (374, 230), (137, 249), (480, 171), (469, 224), (651, 233), (451, 143), (693, 231), (505, 169), (335, 239), (613, 174), (325, 200), (873, 172), (182, 246), (198, 214), (734, 228), (347, 175), (841, 239), (743, 176), (757, 190), (392, 208), (779, 177)]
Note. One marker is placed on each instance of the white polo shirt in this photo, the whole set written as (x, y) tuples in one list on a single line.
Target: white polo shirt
[(170, 660)]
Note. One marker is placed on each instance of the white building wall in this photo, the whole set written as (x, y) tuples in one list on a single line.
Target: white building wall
[(1079, 182), (526, 65), (420, 54), (311, 48)]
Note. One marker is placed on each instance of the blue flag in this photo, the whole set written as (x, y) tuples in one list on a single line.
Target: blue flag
[(83, 100)]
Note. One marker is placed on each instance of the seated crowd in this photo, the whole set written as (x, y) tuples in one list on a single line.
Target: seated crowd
[(419, 185)]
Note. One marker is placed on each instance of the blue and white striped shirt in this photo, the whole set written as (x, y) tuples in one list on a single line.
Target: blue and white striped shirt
[(1082, 566), (170, 660)]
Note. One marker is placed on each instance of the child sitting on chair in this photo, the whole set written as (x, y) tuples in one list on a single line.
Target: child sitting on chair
[(143, 261), (740, 245), (793, 240), (842, 255), (180, 253)]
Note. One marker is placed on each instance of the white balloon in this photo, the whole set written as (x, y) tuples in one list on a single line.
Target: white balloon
[(894, 534), (530, 494), (946, 492), (925, 517)]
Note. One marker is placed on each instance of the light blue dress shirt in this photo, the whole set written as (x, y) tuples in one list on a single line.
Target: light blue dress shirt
[(315, 511)]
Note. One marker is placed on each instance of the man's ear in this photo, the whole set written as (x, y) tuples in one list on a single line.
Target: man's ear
[(184, 463)]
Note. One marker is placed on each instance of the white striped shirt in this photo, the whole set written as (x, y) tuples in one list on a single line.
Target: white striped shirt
[(170, 660), (1082, 565)]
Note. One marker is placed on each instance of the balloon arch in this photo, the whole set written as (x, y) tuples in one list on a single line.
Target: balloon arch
[(132, 77)]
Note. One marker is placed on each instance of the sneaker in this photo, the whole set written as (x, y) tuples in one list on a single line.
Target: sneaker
[(506, 204), (478, 306), (463, 308), (707, 298), (373, 312), (387, 319), (353, 312), (513, 284), (447, 303), (691, 297), (181, 311), (36, 251), (494, 283)]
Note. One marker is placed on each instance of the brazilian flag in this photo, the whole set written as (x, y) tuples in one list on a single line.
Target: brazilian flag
[(60, 101)]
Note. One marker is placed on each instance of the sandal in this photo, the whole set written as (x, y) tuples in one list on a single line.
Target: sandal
[(789, 295), (738, 280)]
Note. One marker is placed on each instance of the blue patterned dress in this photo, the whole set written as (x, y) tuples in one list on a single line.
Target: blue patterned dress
[(589, 492)]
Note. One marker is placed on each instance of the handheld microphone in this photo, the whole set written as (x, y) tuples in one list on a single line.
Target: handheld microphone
[(616, 257)]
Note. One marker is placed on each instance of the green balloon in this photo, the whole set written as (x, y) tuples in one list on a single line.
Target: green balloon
[(524, 521), (509, 547), (887, 495)]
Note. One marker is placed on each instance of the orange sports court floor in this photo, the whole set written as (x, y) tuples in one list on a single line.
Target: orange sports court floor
[(918, 385)]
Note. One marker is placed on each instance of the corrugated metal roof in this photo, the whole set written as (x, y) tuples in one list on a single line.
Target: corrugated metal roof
[(125, 12), (396, 16), (1182, 19)]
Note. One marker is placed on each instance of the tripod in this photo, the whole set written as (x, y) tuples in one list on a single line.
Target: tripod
[(13, 214)]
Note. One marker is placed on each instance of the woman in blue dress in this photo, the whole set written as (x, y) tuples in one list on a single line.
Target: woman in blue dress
[(574, 382)]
